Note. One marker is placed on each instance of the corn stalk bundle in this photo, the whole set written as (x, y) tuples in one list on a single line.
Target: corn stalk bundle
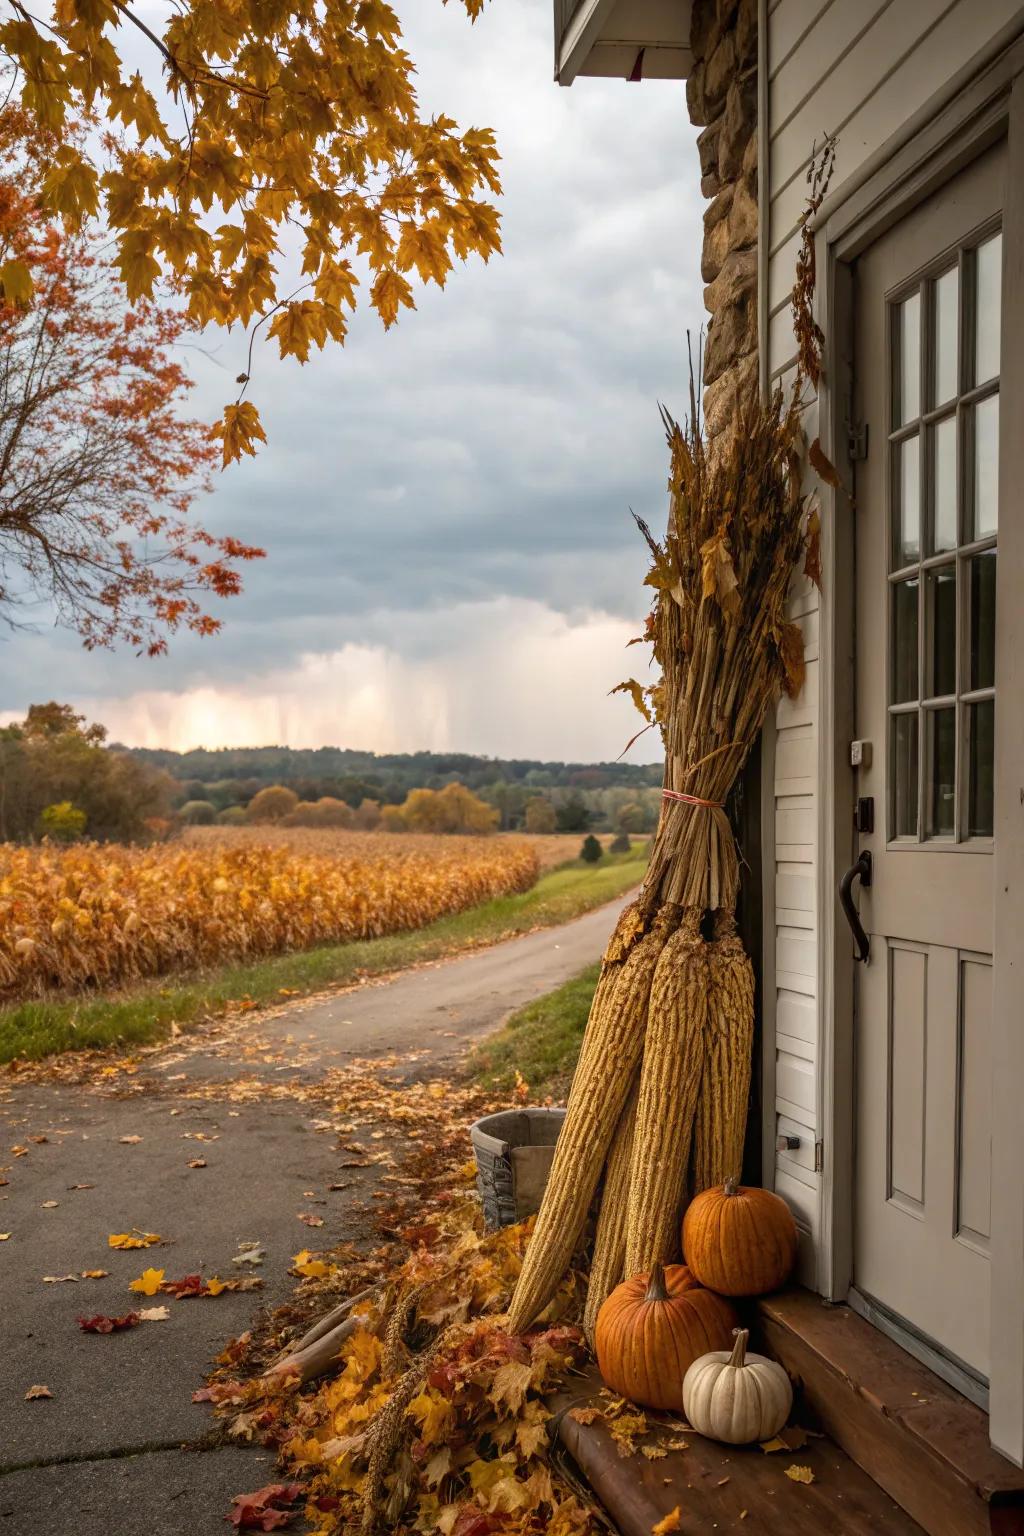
[(670, 1080), (610, 1238), (721, 1117), (610, 1054), (738, 530)]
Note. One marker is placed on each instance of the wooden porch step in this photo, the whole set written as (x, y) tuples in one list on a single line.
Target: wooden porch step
[(723, 1489), (920, 1440)]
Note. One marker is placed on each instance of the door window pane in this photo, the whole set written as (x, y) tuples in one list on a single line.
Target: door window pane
[(907, 401), (904, 641), (908, 518), (942, 622), (985, 514), (904, 774), (981, 735), (944, 373), (944, 486), (988, 268), (983, 620), (941, 772)]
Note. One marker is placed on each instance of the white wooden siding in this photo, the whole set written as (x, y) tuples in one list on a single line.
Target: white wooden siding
[(861, 69)]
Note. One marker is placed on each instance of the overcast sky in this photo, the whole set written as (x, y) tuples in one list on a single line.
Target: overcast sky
[(445, 508)]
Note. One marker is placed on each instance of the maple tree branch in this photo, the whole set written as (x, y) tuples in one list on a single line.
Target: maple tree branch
[(244, 378)]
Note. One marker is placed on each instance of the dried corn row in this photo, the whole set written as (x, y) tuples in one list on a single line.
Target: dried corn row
[(670, 1079), (721, 1120), (611, 1050), (100, 915), (610, 1242)]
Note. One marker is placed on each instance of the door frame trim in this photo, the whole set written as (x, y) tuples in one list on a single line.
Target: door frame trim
[(951, 134)]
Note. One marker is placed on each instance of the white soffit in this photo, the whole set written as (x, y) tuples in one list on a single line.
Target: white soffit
[(622, 39)]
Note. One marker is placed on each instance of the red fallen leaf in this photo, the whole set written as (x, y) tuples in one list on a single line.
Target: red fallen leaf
[(427, 1236), (101, 1324), (256, 1512), (471, 1522), (219, 1392), (189, 1285)]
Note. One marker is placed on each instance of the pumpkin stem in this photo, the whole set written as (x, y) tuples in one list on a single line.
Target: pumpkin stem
[(739, 1349), (731, 1186), (656, 1287)]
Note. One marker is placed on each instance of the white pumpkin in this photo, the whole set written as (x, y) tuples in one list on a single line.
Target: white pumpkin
[(736, 1398)]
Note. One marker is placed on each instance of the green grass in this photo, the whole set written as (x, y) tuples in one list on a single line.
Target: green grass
[(542, 1040), (148, 1012)]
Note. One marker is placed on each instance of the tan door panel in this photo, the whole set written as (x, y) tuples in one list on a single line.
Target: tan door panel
[(927, 298)]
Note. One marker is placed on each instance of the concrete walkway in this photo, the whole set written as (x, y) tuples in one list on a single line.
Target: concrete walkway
[(120, 1450)]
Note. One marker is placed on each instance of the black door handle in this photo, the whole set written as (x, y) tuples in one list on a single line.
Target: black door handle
[(862, 871)]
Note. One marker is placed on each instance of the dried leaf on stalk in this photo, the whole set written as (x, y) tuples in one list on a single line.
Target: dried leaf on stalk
[(822, 465)]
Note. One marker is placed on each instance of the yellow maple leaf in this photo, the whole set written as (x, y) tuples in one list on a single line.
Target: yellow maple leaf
[(16, 283), (215, 1285), (313, 1269), (432, 1413), (389, 292), (800, 1474), (673, 1521), (133, 1239), (239, 429), (71, 187), (148, 1282), (509, 1385)]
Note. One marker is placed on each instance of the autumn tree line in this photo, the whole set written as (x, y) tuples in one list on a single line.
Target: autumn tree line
[(60, 778)]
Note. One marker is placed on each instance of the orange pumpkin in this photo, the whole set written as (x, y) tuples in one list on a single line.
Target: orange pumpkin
[(739, 1241), (652, 1328)]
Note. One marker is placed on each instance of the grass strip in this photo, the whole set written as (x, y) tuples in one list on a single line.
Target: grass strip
[(147, 1012), (542, 1041)]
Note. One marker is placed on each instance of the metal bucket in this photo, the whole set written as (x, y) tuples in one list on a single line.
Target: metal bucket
[(513, 1159)]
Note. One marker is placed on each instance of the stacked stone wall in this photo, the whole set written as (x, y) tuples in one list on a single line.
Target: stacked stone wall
[(721, 94)]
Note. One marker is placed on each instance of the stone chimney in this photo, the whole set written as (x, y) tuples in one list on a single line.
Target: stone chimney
[(721, 94)]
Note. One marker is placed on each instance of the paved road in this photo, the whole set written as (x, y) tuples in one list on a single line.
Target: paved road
[(104, 1456)]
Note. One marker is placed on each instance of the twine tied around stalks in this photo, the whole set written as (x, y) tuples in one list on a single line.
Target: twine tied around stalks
[(675, 794)]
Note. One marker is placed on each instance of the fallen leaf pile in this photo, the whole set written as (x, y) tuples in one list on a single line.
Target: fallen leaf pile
[(470, 1457)]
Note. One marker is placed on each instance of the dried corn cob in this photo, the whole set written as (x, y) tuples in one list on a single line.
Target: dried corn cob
[(610, 1242), (670, 1078), (611, 1050), (721, 1120)]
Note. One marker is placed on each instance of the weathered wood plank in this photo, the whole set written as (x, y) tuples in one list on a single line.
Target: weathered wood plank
[(923, 1442), (727, 1488)]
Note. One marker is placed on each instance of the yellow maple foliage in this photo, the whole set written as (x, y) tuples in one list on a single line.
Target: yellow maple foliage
[(134, 1239), (673, 1521), (148, 1283), (274, 118)]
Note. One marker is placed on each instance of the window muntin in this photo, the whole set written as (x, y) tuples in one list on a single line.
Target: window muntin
[(943, 521)]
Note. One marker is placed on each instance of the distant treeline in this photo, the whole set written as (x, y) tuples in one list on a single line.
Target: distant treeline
[(61, 780), (333, 767), (581, 795)]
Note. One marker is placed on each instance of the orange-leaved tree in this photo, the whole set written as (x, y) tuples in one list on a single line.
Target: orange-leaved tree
[(98, 468), (283, 143)]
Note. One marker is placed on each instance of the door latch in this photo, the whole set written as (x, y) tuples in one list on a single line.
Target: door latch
[(864, 814), (857, 440)]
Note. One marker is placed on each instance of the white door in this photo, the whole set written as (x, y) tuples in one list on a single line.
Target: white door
[(926, 366)]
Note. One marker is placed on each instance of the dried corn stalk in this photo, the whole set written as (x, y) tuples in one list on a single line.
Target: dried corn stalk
[(721, 1121), (670, 1079), (606, 1269), (611, 1051)]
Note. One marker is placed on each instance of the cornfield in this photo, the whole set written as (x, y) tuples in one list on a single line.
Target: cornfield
[(101, 915)]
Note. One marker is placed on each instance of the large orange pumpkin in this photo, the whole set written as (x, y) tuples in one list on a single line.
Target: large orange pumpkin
[(739, 1241), (652, 1328)]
